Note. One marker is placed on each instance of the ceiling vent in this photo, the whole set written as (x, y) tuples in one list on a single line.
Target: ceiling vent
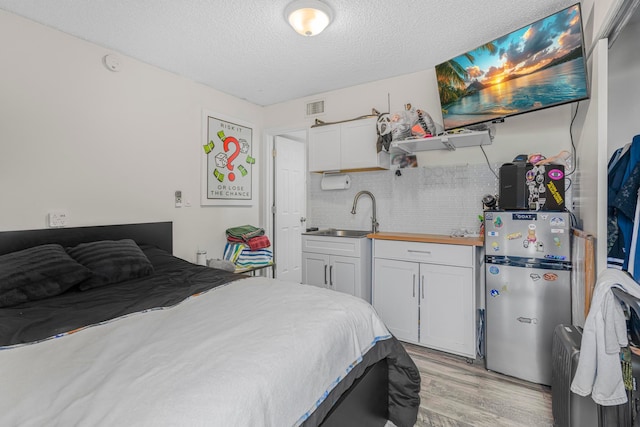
[(315, 108)]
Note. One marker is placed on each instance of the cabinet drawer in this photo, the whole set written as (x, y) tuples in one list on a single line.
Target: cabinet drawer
[(436, 253), (344, 246)]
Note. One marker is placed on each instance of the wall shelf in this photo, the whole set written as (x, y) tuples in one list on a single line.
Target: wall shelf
[(443, 142)]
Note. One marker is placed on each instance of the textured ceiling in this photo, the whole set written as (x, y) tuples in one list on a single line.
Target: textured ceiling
[(246, 48)]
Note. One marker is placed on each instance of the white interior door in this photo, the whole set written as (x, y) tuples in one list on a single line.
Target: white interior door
[(290, 203)]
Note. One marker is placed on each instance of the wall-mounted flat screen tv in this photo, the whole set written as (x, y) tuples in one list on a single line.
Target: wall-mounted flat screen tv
[(538, 66)]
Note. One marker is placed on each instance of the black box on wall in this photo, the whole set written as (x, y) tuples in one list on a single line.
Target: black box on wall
[(524, 186)]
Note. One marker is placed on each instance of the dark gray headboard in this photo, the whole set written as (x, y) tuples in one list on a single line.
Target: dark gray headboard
[(158, 234)]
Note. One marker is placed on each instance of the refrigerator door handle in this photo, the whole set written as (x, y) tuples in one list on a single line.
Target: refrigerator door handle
[(422, 287), (527, 320)]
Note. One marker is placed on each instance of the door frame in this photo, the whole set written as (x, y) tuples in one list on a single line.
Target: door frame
[(267, 217)]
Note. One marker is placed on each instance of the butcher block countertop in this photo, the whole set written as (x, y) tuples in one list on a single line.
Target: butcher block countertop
[(428, 238)]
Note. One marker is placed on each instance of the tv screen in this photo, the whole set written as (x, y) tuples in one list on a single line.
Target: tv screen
[(538, 66)]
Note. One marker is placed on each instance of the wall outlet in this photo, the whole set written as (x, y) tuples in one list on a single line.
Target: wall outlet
[(58, 219), (178, 199)]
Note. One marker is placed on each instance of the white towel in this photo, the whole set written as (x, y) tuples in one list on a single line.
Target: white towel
[(599, 372)]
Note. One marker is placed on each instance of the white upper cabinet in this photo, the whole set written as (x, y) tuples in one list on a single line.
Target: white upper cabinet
[(346, 146), (324, 148)]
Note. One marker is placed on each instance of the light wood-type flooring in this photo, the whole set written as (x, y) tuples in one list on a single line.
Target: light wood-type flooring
[(455, 393)]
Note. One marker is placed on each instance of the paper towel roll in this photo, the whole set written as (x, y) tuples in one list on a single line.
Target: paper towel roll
[(336, 181)]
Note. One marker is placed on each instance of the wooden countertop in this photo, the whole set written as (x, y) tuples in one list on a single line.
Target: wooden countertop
[(428, 238)]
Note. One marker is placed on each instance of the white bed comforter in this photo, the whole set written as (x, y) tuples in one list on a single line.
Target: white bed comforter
[(256, 352)]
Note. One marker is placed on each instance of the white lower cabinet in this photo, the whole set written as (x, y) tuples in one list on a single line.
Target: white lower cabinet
[(447, 315), (333, 272), (427, 303), (397, 302), (315, 269), (348, 272)]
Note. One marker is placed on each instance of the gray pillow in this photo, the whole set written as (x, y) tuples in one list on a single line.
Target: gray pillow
[(111, 261), (36, 273)]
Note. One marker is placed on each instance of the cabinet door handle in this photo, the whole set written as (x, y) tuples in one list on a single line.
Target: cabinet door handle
[(331, 275), (419, 252), (422, 287), (414, 285), (325, 274)]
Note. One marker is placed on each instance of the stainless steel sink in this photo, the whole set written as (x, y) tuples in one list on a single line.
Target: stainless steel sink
[(333, 232)]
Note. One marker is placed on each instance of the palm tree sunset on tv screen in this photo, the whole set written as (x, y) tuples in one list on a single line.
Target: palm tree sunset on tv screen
[(538, 66)]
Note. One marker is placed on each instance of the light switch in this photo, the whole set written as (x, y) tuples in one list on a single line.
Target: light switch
[(178, 199)]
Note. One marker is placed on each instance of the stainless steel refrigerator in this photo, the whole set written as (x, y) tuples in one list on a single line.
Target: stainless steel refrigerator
[(528, 289)]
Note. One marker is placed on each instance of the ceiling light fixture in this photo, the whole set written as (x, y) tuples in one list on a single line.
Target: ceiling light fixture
[(308, 17)]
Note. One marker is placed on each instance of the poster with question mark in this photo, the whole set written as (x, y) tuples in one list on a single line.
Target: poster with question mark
[(228, 164)]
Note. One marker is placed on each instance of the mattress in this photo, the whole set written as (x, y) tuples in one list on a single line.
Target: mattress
[(191, 345)]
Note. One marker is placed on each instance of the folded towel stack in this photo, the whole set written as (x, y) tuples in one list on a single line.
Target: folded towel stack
[(244, 232), (254, 243), (247, 246)]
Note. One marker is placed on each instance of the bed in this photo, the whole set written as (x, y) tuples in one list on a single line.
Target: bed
[(106, 327)]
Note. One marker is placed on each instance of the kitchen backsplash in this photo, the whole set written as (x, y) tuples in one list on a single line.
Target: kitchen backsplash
[(433, 200)]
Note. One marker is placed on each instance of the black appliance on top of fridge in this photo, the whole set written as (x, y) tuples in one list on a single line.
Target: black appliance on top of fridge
[(534, 187), (528, 289)]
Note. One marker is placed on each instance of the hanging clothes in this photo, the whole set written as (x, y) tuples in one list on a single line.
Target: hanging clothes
[(634, 251), (622, 201)]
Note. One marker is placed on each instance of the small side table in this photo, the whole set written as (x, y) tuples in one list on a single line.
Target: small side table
[(252, 270)]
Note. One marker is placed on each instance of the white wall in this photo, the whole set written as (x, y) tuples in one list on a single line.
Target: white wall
[(624, 88), (413, 203), (106, 147), (432, 200), (608, 122), (597, 17), (545, 131), (590, 181), (113, 147)]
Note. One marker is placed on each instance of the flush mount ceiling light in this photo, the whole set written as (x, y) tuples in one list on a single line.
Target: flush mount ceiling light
[(308, 17)]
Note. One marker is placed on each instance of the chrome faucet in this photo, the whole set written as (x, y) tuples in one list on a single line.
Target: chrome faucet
[(374, 221)]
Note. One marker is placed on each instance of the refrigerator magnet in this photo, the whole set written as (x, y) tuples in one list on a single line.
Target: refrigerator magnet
[(557, 222)]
